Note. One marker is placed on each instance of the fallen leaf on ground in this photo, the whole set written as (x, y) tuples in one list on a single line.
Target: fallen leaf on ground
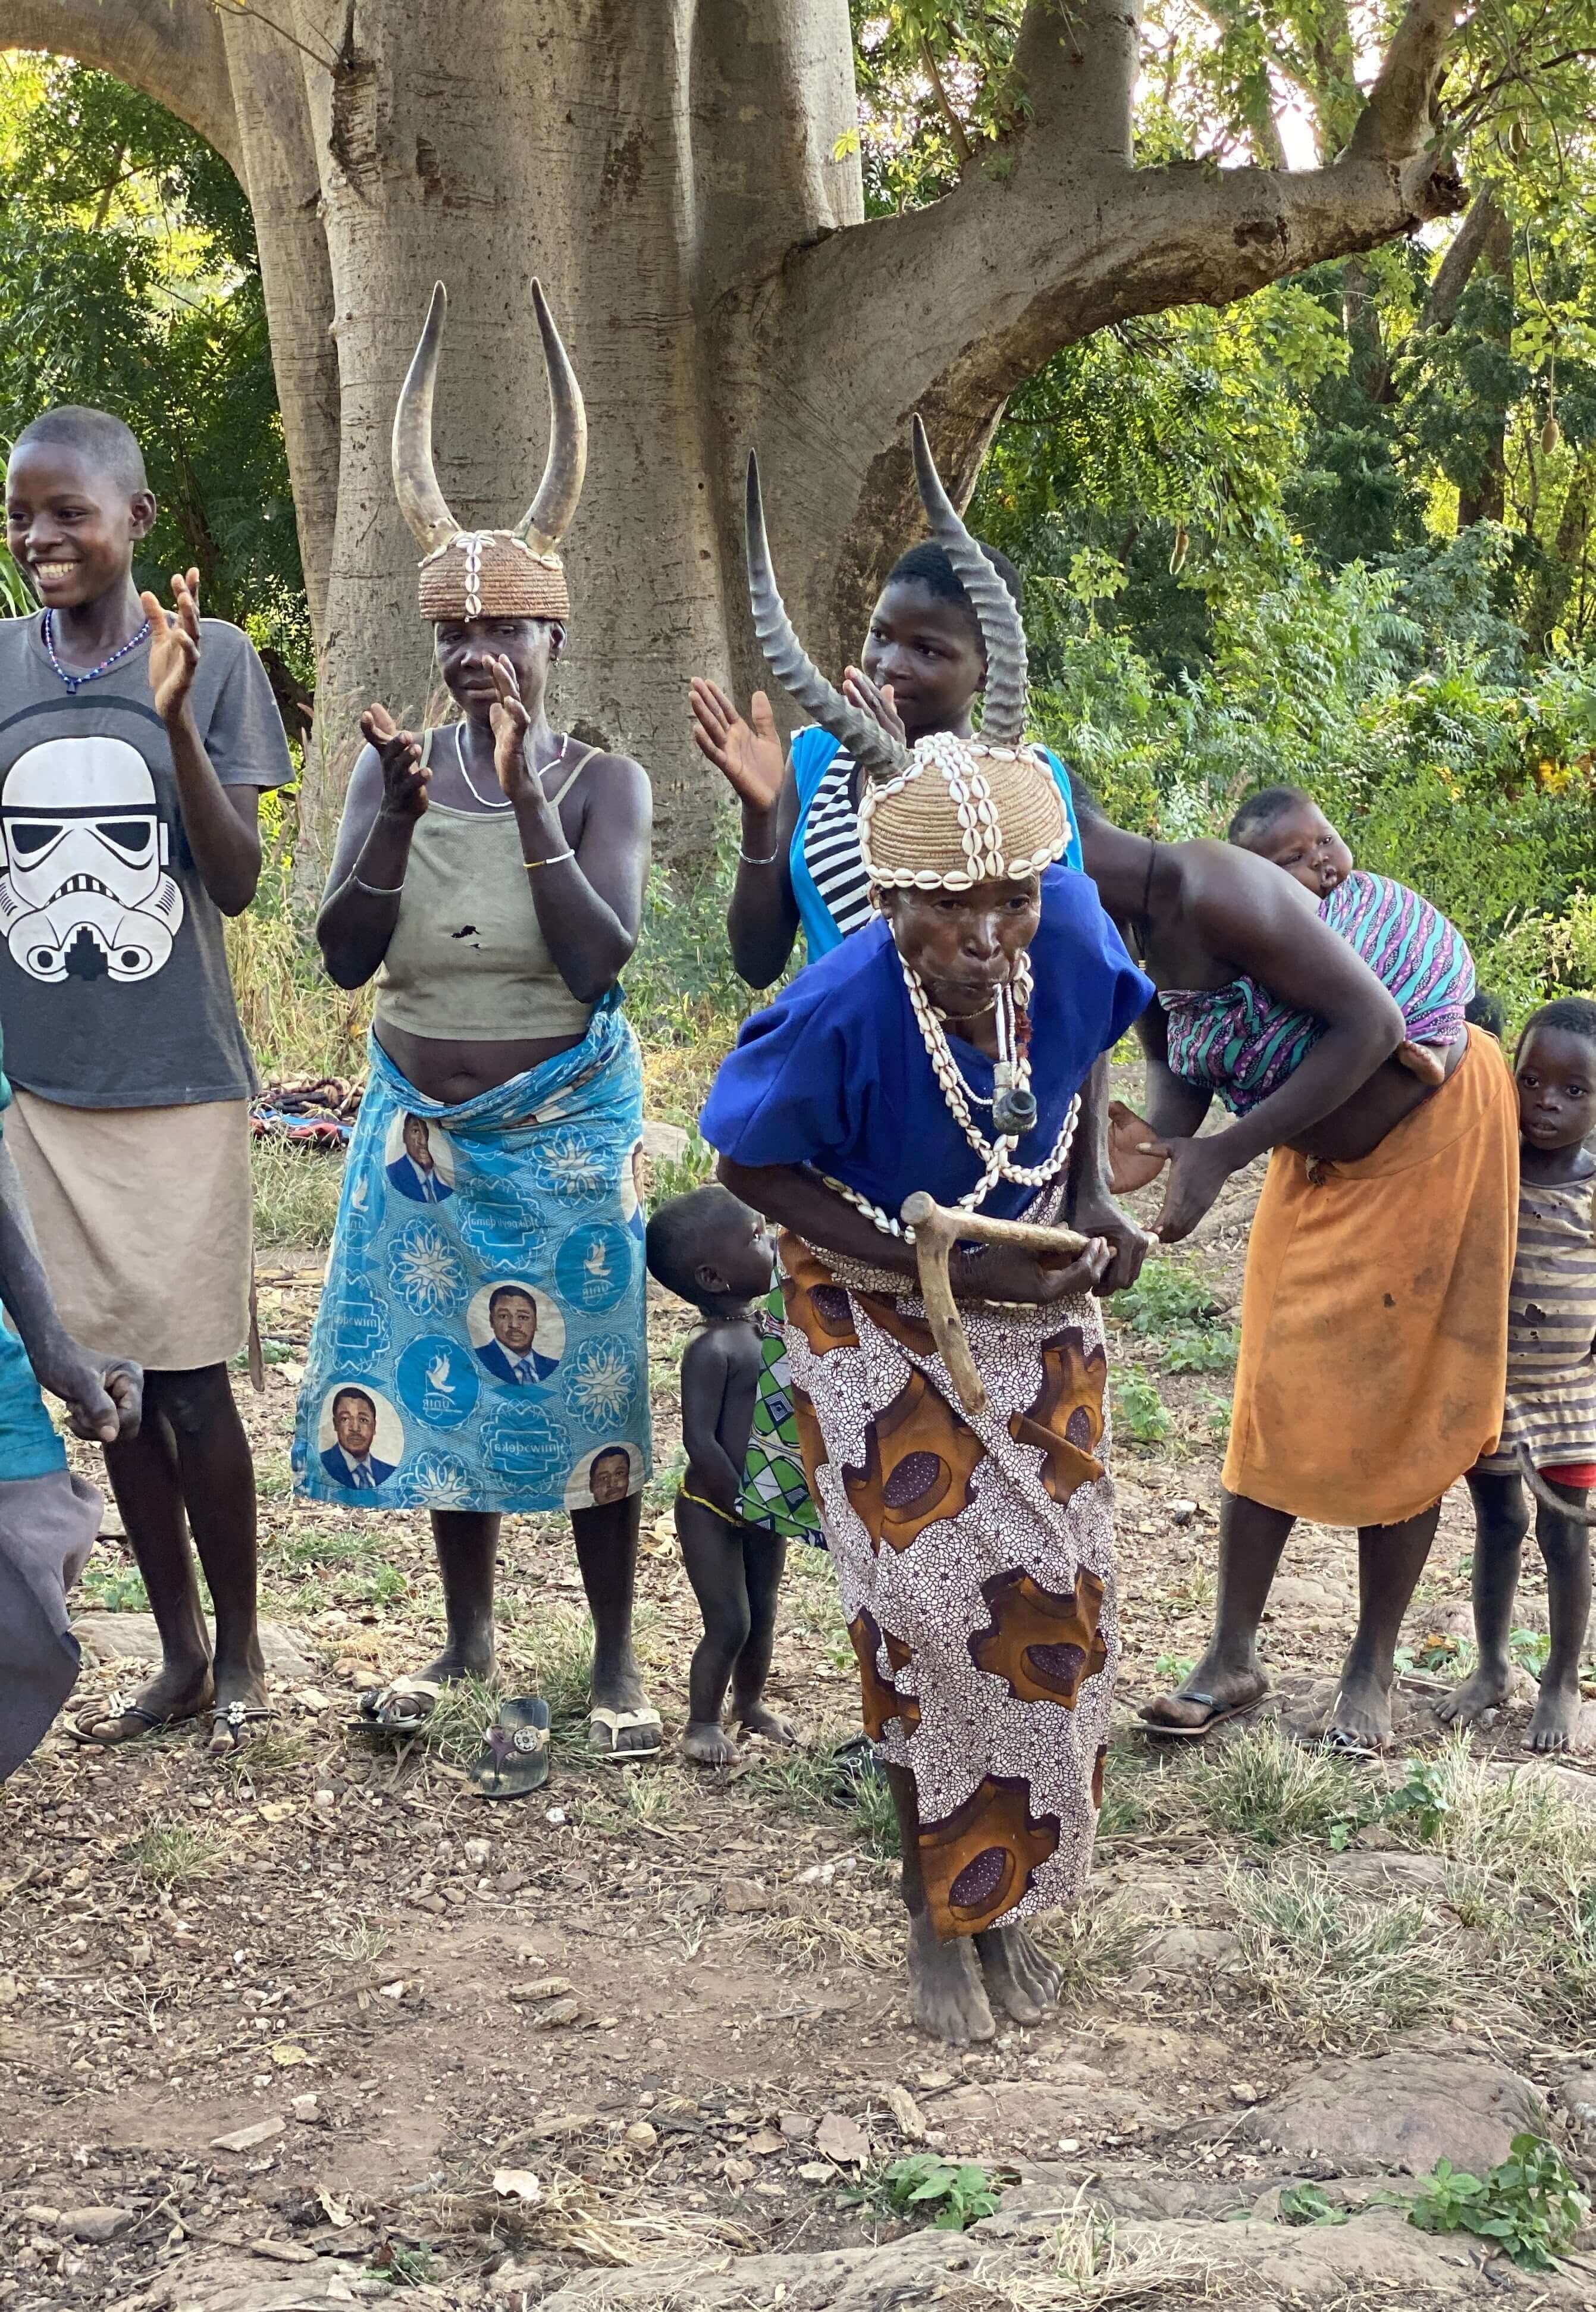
[(518, 2183), (906, 2111), (843, 2139)]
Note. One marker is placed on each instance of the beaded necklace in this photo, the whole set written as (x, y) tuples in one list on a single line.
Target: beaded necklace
[(74, 682), (996, 1156)]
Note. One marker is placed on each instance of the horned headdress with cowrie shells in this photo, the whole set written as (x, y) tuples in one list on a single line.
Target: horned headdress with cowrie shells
[(490, 573), (948, 813)]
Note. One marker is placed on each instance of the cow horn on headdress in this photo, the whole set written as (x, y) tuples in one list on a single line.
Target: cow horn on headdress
[(503, 574), (948, 812)]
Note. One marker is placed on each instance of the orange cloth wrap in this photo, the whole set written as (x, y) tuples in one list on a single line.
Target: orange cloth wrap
[(1374, 1356)]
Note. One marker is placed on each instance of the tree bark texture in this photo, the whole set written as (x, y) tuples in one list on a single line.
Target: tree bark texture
[(676, 172)]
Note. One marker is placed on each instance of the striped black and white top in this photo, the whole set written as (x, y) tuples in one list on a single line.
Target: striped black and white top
[(830, 846), (1551, 1320)]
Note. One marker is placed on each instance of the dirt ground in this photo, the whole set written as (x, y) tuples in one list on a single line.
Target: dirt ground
[(336, 1945)]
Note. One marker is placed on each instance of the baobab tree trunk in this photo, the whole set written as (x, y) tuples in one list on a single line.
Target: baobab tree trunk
[(678, 174)]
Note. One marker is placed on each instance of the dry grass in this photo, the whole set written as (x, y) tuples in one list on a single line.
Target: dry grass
[(296, 1195), (1341, 1967), (298, 1024), (1094, 1944), (1087, 2263)]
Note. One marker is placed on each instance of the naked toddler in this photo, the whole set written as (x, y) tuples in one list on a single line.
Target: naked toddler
[(715, 1253)]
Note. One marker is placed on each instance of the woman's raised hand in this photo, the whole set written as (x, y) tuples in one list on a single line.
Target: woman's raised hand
[(747, 754), (860, 691), (404, 776), (511, 724)]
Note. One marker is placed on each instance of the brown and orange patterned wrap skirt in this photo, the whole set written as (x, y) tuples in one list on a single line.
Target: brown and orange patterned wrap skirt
[(975, 1560)]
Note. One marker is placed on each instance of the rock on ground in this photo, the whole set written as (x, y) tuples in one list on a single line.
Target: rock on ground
[(133, 1637), (1403, 2111)]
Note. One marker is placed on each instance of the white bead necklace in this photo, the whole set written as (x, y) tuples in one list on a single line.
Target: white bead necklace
[(996, 1155)]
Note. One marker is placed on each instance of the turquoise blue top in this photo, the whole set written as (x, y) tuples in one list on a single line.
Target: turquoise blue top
[(813, 752), (29, 1444)]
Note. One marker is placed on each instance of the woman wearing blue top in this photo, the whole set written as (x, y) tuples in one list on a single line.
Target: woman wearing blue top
[(943, 1048), (798, 867)]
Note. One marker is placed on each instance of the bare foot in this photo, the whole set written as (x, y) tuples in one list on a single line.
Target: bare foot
[(177, 1691), (1020, 1978), (707, 1745), (1362, 1711), (1486, 1688), (947, 1995), (461, 1660), (1226, 1690), (1556, 1719), (757, 1719)]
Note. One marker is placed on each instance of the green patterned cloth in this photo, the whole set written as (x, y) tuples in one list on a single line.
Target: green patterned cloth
[(775, 1493)]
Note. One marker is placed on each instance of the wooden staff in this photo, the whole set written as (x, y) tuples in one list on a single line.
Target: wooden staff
[(936, 1232)]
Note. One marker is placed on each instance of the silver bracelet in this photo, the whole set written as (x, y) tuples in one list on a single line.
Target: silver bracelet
[(378, 891), (552, 860), (749, 861)]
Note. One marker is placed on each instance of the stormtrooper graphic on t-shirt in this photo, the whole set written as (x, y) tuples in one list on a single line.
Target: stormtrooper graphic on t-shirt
[(84, 893)]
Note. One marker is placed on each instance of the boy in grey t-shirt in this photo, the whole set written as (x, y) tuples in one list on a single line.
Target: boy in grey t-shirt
[(134, 747)]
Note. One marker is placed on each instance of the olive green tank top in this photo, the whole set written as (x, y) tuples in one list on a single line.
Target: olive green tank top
[(467, 962)]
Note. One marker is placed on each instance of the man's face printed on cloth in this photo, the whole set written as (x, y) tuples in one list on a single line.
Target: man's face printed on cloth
[(354, 1424), (514, 1319), (85, 894), (418, 1142)]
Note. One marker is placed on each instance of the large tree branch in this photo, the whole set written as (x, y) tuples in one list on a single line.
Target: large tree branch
[(948, 308), (170, 49), (1457, 267)]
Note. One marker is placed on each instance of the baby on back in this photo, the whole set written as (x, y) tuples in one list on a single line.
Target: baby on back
[(1240, 1042), (1407, 944)]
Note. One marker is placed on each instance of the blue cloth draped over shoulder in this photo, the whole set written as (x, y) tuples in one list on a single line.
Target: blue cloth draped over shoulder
[(479, 1341), (812, 751), (834, 1073)]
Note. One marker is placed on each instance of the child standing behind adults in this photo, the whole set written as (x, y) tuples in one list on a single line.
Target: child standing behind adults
[(134, 747), (1550, 1414)]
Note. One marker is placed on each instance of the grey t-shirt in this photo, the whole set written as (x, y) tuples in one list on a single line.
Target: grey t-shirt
[(114, 990)]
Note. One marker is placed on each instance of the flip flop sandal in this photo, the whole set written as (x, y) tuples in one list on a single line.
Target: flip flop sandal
[(403, 1707), (1339, 1742), (230, 1718), (612, 1723), (115, 1706), (515, 1752), (1219, 1714)]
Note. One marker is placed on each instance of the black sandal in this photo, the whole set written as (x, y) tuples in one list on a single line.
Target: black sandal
[(230, 1718), (116, 1707), (514, 1761)]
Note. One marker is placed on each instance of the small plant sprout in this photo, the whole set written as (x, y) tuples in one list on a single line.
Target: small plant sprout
[(1530, 2205), (949, 2195)]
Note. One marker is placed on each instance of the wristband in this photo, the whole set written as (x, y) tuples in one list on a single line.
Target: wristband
[(552, 860), (378, 891), (749, 861)]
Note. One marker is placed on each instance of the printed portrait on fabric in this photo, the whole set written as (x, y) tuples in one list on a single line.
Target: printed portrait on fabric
[(419, 1158), (360, 1436), (634, 1190), (602, 1478), (518, 1332)]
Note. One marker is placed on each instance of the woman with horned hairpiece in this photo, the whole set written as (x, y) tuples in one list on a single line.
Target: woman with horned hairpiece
[(478, 1352), (942, 1049)]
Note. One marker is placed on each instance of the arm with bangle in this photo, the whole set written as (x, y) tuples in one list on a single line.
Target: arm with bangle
[(589, 896), (388, 793), (762, 921)]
